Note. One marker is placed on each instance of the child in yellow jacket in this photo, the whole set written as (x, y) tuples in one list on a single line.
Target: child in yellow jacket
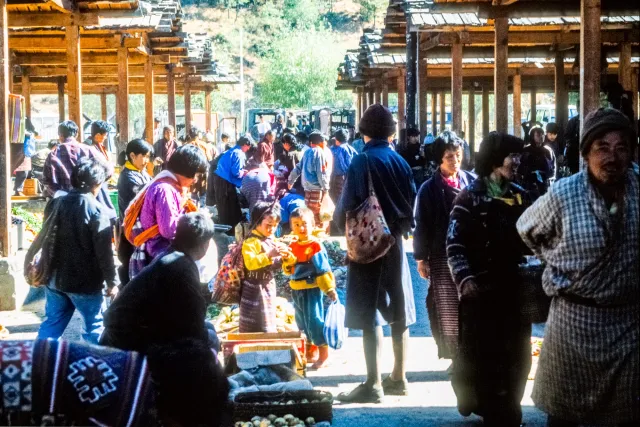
[(310, 277)]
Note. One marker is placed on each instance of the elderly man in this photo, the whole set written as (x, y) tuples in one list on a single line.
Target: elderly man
[(586, 229)]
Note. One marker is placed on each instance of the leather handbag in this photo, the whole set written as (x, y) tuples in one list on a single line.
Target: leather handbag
[(367, 233)]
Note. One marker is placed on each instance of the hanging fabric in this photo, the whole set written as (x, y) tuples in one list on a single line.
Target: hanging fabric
[(16, 119)]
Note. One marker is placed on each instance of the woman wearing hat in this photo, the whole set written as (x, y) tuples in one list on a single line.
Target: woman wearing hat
[(586, 230), (380, 292)]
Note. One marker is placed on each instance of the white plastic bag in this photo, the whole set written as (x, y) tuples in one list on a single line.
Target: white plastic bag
[(335, 333)]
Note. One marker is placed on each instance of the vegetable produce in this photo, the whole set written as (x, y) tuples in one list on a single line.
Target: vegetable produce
[(229, 319)]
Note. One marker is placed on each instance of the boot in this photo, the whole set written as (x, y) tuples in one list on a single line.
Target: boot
[(322, 360), (311, 353)]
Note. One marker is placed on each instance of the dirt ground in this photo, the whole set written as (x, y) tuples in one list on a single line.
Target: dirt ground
[(431, 401)]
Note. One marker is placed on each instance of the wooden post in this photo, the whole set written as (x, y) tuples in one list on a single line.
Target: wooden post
[(456, 87), (422, 98), (517, 104), (624, 66), (26, 91), (207, 109), (534, 100), (365, 99), (485, 111), (74, 76), (434, 114), (376, 95), (171, 96), (122, 99), (443, 111), (5, 152), (148, 99), (359, 103), (501, 74), (471, 138), (187, 107), (410, 79), (385, 95), (561, 96), (402, 119), (103, 106), (61, 112), (589, 58)]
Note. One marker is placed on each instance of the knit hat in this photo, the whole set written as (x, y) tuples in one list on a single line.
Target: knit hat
[(377, 122), (601, 121)]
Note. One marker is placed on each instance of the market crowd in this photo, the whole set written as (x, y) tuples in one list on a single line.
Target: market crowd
[(476, 219)]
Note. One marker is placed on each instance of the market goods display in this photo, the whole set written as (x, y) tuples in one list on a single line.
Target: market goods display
[(300, 408), (286, 421), (229, 318)]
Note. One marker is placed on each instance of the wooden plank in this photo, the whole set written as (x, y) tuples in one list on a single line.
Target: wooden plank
[(122, 98), (385, 95), (74, 76), (57, 42), (89, 70), (471, 134), (560, 96), (52, 19), (61, 109), (187, 107), (517, 105), (485, 111), (58, 58), (207, 110), (589, 57), (624, 69), (443, 111), (456, 87), (402, 120), (148, 101), (501, 79), (171, 97), (5, 152), (103, 106), (26, 92)]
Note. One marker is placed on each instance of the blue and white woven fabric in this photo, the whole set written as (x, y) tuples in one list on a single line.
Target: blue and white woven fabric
[(589, 368)]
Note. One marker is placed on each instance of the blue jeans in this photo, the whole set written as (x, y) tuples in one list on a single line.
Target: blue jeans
[(59, 310)]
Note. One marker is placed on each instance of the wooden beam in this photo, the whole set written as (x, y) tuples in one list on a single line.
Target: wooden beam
[(456, 87), (57, 42), (589, 57), (103, 106), (376, 95), (187, 107), (485, 111), (122, 98), (207, 110), (171, 97), (5, 151), (422, 98), (26, 92), (560, 96), (434, 113), (471, 137), (402, 120), (533, 104), (385, 95), (358, 93), (74, 76), (517, 105), (501, 79), (52, 19), (148, 101), (624, 69), (97, 70), (61, 109), (443, 111), (40, 59)]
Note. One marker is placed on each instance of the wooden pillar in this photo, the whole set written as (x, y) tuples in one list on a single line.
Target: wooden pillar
[(485, 111), (148, 99), (103, 107), (171, 96), (385, 95), (359, 103), (376, 95), (589, 57), (207, 109), (434, 114), (422, 98), (624, 67), (187, 106), (534, 111), (443, 111), (456, 87), (501, 74), (402, 119), (61, 112), (122, 99), (561, 96), (410, 79), (5, 152), (26, 91), (74, 76), (517, 104), (471, 138)]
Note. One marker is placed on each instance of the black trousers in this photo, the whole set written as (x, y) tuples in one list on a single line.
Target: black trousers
[(21, 176), (229, 212)]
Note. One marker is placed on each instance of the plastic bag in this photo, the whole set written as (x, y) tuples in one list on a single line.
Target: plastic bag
[(335, 333), (226, 287), (326, 208)]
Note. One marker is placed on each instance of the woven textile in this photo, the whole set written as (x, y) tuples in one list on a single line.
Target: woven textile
[(445, 307), (313, 200), (589, 369), (91, 385), (15, 379)]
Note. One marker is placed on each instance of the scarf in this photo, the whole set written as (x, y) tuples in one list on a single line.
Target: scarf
[(131, 167), (453, 182), (498, 191)]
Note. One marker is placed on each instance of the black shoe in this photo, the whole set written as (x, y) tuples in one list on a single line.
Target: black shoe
[(362, 394), (394, 388)]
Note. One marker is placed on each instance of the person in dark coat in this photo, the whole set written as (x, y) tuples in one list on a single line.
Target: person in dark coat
[(381, 291), (572, 142), (164, 149), (433, 206), (132, 178), (82, 265), (164, 303), (484, 251), (537, 164)]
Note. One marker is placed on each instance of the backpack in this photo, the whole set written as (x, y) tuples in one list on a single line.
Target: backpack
[(29, 146), (39, 258), (227, 283)]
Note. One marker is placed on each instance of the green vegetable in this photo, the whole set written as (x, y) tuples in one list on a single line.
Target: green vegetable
[(33, 221)]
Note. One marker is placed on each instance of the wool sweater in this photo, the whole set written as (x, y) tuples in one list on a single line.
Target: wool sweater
[(310, 269)]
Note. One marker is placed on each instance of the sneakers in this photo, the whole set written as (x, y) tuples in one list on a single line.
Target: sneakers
[(362, 394), (395, 388)]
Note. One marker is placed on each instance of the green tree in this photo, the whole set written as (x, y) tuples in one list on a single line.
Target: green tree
[(369, 9), (302, 14)]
